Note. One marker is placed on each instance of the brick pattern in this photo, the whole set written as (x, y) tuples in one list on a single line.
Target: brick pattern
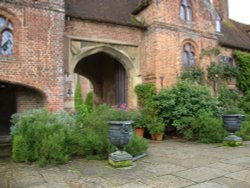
[(37, 61)]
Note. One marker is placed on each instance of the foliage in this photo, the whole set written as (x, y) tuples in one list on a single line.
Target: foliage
[(185, 99), (89, 101), (156, 126), (80, 108), (90, 136), (137, 146), (209, 52), (222, 71), (52, 138), (204, 127), (42, 136), (121, 113), (193, 74), (243, 63), (145, 93), (244, 132), (228, 98), (244, 103), (146, 97), (19, 149)]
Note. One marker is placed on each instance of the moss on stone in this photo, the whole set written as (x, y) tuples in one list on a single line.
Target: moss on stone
[(232, 143), (120, 164)]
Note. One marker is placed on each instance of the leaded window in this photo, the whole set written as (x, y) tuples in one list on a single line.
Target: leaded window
[(6, 36), (188, 55), (186, 10)]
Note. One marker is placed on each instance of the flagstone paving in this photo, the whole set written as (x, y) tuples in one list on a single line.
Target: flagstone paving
[(169, 163)]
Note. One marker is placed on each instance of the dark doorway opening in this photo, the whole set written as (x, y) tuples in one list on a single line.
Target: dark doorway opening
[(7, 108), (108, 77)]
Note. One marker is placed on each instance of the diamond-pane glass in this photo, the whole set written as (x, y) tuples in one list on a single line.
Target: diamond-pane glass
[(2, 22), (7, 43)]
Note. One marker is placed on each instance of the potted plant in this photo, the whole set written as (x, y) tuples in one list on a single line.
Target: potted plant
[(232, 119), (120, 133), (156, 128), (140, 125)]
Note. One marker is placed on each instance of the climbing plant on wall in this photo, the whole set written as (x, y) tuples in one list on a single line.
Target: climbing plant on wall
[(243, 63)]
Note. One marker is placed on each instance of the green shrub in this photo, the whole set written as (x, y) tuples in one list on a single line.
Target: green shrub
[(80, 108), (245, 102), (243, 63), (89, 100), (244, 132), (185, 99), (228, 98), (19, 149), (204, 127), (193, 74), (137, 146), (45, 136)]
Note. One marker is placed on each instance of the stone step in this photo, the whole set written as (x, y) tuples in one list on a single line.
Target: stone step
[(5, 150), (5, 146)]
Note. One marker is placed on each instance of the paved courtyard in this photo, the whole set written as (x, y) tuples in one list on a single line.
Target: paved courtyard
[(168, 164)]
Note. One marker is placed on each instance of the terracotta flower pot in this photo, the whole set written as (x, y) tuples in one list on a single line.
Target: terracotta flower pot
[(159, 137), (139, 132)]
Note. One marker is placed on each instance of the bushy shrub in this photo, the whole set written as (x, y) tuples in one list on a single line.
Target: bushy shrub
[(245, 102), (204, 127), (185, 99), (137, 146), (193, 74), (80, 108), (19, 151), (228, 98), (42, 136), (52, 138), (243, 59), (244, 132), (89, 100)]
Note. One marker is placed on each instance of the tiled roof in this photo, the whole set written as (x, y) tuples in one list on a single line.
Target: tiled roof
[(235, 35), (113, 11)]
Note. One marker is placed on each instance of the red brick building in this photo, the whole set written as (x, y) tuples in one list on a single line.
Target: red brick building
[(115, 44)]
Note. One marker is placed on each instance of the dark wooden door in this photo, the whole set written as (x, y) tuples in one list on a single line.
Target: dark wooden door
[(120, 84), (7, 108)]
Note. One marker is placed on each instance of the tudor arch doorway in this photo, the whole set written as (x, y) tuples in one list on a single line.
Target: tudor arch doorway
[(108, 77), (16, 98)]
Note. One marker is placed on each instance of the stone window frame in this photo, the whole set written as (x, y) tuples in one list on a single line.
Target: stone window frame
[(186, 10), (188, 51), (8, 29)]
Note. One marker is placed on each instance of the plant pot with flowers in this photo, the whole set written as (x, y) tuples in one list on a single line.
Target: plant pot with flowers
[(120, 133), (156, 128), (232, 119)]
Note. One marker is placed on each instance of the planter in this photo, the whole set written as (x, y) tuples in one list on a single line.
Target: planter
[(232, 124), (120, 133), (157, 137), (139, 132)]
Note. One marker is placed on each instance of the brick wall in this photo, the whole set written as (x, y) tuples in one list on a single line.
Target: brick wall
[(163, 42), (38, 48)]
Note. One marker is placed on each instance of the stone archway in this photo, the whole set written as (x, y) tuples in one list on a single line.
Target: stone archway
[(110, 70), (108, 77)]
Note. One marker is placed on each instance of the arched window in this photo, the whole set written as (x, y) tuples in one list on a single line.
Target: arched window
[(188, 55), (186, 10), (6, 36)]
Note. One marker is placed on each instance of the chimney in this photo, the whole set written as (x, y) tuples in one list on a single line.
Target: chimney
[(222, 8)]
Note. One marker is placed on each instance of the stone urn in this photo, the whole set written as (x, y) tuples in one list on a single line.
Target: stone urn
[(120, 133), (232, 124)]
